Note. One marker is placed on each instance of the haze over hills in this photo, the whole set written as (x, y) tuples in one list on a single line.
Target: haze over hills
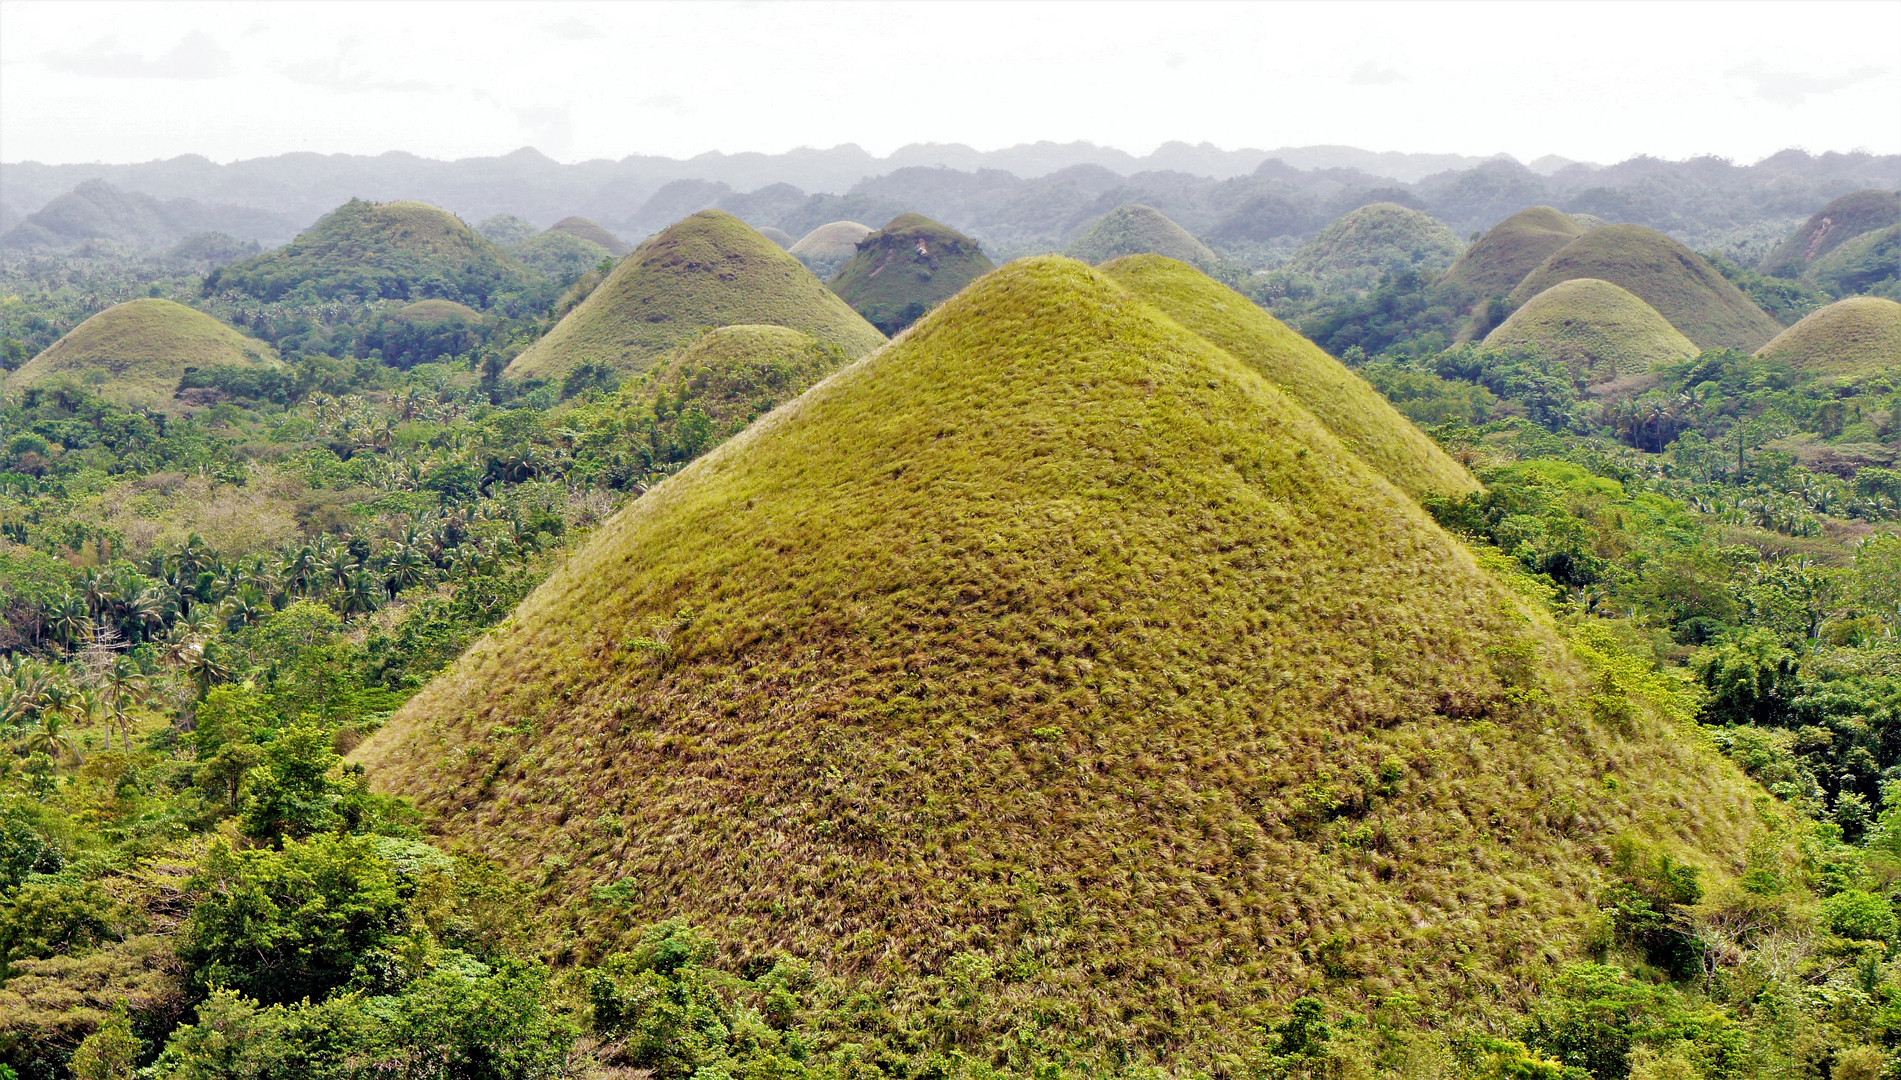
[(582, 228), (830, 246), (1141, 230), (135, 353), (1376, 240), (894, 678), (97, 211), (1843, 219)]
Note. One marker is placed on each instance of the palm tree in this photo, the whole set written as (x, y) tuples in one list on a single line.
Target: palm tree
[(51, 738)]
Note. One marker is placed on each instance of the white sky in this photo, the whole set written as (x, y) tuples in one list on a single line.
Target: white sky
[(1596, 81)]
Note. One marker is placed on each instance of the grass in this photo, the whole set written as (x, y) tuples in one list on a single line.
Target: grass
[(437, 311), (136, 352), (1661, 272), (1854, 337), (586, 229), (1601, 332), (1868, 264), (1843, 219), (387, 251), (1141, 230), (708, 270), (1355, 412), (1056, 656), (1511, 249), (907, 268), (1375, 240), (827, 248)]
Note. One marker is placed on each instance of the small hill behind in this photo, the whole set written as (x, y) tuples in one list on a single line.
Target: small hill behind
[(907, 268), (777, 235), (1661, 272), (708, 270), (560, 256), (1511, 249), (827, 248), (584, 229), (1141, 230), (1868, 264), (135, 353), (1355, 412), (1843, 219), (381, 251), (1598, 330), (1857, 336), (1375, 240)]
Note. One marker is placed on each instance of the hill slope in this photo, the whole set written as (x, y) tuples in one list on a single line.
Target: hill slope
[(939, 677), (736, 374), (389, 251), (1375, 240), (1843, 219), (1140, 230), (1868, 264), (1599, 330), (708, 270), (827, 248), (583, 229), (1513, 248), (137, 351), (1355, 412), (1664, 274), (907, 268), (1857, 336)]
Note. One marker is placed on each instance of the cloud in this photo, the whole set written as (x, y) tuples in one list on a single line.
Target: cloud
[(195, 56), (1372, 74), (550, 128), (672, 103), (573, 30), (344, 73), (1794, 88)]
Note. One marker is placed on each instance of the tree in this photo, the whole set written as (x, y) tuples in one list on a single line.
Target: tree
[(1751, 680), (291, 793), (110, 1053)]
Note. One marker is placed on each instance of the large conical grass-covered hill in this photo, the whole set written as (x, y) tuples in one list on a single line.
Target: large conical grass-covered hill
[(734, 375), (386, 251), (1375, 240), (907, 268), (1500, 259), (586, 229), (1661, 272), (829, 247), (1355, 412), (1141, 230), (135, 353), (708, 270), (1054, 658), (1843, 219), (1854, 337), (1600, 331)]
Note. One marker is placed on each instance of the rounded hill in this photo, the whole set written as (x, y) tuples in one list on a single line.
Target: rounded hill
[(1857, 336), (1513, 248), (136, 352), (708, 270), (560, 256), (1355, 412), (1044, 635), (1868, 264), (1661, 272), (1843, 219), (583, 229), (1141, 230), (735, 374), (380, 251), (1375, 240), (777, 235), (830, 246), (1598, 330), (907, 268)]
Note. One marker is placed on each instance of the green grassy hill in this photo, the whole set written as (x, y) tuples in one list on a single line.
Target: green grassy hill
[(1843, 219), (585, 229), (1868, 264), (827, 248), (730, 377), (1141, 230), (907, 268), (136, 352), (1663, 273), (387, 251), (1355, 412), (560, 256), (1053, 658), (1599, 330), (1375, 240), (1853, 337), (708, 270), (1511, 249)]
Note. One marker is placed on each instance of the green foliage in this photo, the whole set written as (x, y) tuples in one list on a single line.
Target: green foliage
[(1844, 219), (1374, 243), (57, 916), (138, 352), (111, 1053), (1141, 230), (1751, 679), (907, 268)]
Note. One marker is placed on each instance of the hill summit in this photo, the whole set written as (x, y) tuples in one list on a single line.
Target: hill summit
[(708, 270), (136, 352), (830, 246), (1053, 657), (583, 229), (1141, 230), (1661, 272), (907, 268), (1513, 248), (1597, 329), (1375, 240), (380, 251), (1857, 336)]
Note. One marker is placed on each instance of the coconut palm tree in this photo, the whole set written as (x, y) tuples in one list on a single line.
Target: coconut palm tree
[(51, 738)]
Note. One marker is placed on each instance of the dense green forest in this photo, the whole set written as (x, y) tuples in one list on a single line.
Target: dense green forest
[(207, 608)]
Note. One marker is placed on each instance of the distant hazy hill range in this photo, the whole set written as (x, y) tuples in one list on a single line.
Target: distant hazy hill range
[(97, 211)]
